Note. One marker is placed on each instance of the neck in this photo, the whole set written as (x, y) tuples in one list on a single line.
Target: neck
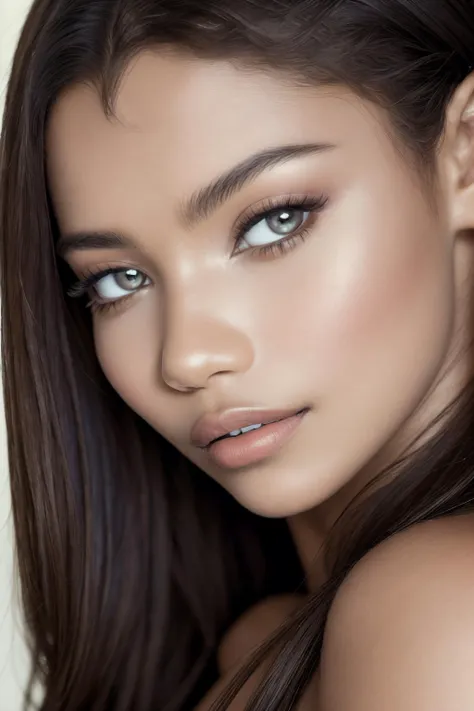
[(309, 537)]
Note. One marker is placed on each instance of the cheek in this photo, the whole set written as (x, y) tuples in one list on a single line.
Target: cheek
[(376, 305), (127, 347)]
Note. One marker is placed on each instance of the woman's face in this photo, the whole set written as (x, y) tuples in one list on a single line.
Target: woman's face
[(339, 302)]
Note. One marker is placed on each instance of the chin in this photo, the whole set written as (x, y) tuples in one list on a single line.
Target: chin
[(279, 494), (275, 509)]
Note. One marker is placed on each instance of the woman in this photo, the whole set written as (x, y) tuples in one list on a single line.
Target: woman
[(260, 434)]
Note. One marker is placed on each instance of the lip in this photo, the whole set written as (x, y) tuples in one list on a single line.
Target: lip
[(212, 426), (255, 446)]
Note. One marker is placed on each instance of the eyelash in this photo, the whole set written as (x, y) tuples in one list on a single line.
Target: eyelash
[(312, 205)]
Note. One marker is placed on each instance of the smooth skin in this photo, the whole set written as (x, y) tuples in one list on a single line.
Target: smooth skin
[(366, 321)]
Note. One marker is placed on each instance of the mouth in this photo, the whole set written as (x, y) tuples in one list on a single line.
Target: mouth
[(238, 432), (254, 443)]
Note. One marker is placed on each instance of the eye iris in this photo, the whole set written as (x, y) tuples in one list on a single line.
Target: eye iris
[(127, 279), (285, 221)]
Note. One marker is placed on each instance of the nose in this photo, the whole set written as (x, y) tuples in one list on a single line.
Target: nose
[(197, 348)]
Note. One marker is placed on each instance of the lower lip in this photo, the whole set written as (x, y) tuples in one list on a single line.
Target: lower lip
[(253, 446)]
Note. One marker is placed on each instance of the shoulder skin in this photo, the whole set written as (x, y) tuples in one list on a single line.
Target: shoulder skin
[(400, 633)]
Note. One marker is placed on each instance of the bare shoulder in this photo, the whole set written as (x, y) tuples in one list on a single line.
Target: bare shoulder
[(400, 633), (258, 623), (254, 627)]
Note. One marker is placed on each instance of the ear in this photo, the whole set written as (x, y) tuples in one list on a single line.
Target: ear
[(458, 155)]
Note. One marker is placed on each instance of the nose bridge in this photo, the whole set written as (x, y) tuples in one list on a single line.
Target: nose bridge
[(199, 341)]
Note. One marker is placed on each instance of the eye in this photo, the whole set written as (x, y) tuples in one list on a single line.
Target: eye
[(275, 226), (121, 283)]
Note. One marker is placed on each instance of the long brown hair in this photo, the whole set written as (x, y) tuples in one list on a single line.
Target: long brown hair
[(132, 562)]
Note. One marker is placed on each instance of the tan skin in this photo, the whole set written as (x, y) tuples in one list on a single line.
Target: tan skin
[(365, 320)]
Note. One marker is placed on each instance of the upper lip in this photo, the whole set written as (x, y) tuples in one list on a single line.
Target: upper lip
[(212, 426)]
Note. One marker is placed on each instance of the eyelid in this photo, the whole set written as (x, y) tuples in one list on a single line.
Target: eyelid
[(93, 276), (257, 212), (248, 219)]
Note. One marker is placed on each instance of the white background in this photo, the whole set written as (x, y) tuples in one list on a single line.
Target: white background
[(14, 664)]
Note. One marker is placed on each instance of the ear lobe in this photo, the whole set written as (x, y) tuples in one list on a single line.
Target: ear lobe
[(459, 149)]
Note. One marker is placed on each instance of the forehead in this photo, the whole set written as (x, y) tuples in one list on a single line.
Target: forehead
[(179, 122)]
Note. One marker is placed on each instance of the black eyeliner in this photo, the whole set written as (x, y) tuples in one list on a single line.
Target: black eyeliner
[(266, 209), (274, 205)]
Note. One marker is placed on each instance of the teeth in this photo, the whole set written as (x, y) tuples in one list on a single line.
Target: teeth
[(250, 427), (243, 430)]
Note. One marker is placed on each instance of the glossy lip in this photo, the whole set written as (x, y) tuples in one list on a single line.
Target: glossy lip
[(212, 426)]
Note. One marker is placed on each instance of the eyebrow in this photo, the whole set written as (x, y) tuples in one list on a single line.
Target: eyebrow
[(204, 201), (78, 241)]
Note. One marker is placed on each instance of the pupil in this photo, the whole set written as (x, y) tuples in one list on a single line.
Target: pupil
[(285, 221), (128, 277)]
